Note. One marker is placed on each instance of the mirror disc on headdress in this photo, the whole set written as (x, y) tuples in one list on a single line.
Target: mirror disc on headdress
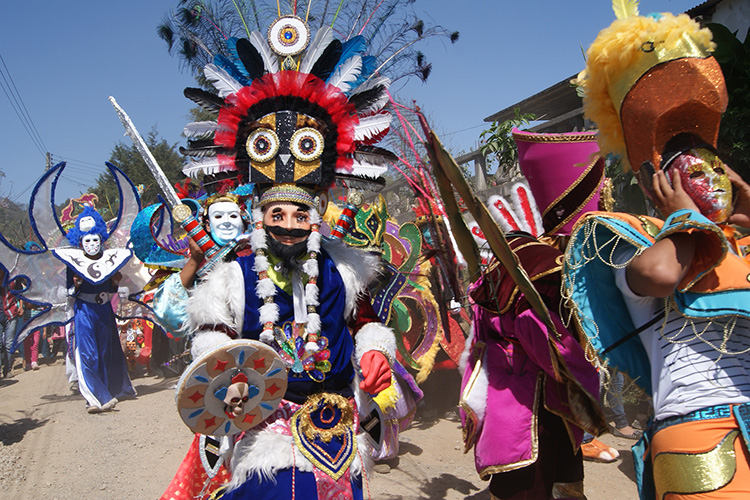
[(288, 36), (306, 144), (262, 145)]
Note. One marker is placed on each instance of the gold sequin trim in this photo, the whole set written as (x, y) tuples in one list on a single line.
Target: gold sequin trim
[(688, 473)]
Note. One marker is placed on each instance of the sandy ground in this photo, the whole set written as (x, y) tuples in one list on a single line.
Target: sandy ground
[(51, 448)]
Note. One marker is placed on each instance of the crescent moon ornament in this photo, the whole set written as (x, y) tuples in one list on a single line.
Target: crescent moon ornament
[(203, 388)]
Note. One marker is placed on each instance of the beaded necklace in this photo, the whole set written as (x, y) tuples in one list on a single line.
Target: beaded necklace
[(300, 345)]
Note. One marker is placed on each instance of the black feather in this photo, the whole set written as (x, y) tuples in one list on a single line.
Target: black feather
[(201, 152), (327, 61), (347, 181), (374, 155), (251, 58), (200, 143), (365, 99), (206, 100)]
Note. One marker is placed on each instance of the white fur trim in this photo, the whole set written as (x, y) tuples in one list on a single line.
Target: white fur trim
[(375, 337), (313, 323), (265, 288), (267, 338), (313, 242), (258, 239), (207, 340), (310, 267), (477, 398), (265, 452), (311, 295), (269, 312), (468, 346), (219, 300), (356, 267), (313, 216), (260, 264)]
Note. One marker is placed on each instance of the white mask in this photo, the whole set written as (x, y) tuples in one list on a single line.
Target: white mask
[(92, 244), (86, 224), (224, 221)]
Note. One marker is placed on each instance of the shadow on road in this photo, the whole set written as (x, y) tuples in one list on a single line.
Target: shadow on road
[(152, 386), (626, 464), (14, 432)]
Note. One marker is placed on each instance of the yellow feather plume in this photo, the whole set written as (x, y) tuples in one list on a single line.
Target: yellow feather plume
[(625, 8)]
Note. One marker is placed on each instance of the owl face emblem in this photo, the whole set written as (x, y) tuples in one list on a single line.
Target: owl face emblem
[(285, 147)]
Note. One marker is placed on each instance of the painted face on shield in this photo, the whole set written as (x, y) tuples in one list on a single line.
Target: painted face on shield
[(705, 180), (91, 244), (225, 221)]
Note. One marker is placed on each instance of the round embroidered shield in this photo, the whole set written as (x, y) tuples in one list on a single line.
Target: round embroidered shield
[(231, 388)]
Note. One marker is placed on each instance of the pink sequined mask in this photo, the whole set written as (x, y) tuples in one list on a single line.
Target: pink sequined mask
[(705, 179)]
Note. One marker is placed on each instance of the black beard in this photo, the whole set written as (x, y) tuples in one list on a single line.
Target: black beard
[(289, 254), (281, 231)]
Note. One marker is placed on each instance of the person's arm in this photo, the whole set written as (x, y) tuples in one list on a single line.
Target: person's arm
[(190, 270), (659, 269)]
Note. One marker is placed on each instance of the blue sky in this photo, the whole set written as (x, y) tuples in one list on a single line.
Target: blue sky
[(66, 58)]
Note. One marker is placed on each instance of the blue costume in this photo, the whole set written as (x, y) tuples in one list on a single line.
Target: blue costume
[(102, 371)]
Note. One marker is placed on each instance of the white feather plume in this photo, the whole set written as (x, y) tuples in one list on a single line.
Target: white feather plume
[(204, 165), (270, 61), (221, 80), (346, 73), (363, 169), (200, 129), (376, 105), (372, 83), (370, 126), (322, 39)]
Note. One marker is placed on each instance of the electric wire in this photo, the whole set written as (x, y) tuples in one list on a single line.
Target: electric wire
[(16, 101)]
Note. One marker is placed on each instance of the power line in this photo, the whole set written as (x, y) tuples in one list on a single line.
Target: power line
[(20, 108)]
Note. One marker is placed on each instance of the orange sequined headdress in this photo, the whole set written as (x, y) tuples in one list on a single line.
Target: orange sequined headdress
[(649, 79)]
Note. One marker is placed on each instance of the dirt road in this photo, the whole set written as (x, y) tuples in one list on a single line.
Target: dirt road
[(51, 448)]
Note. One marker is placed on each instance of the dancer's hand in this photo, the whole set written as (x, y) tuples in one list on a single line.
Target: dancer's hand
[(376, 372), (670, 198)]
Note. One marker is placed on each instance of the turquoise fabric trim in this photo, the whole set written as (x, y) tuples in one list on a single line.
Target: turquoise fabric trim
[(685, 219), (584, 272), (715, 304), (644, 472), (169, 304)]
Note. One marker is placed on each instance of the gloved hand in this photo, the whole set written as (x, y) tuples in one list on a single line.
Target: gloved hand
[(376, 372)]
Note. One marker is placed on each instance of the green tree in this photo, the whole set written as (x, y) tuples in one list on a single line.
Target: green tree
[(126, 157), (498, 144), (733, 56)]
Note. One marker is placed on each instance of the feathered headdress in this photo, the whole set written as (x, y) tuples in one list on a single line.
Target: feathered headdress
[(291, 109), (649, 79)]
